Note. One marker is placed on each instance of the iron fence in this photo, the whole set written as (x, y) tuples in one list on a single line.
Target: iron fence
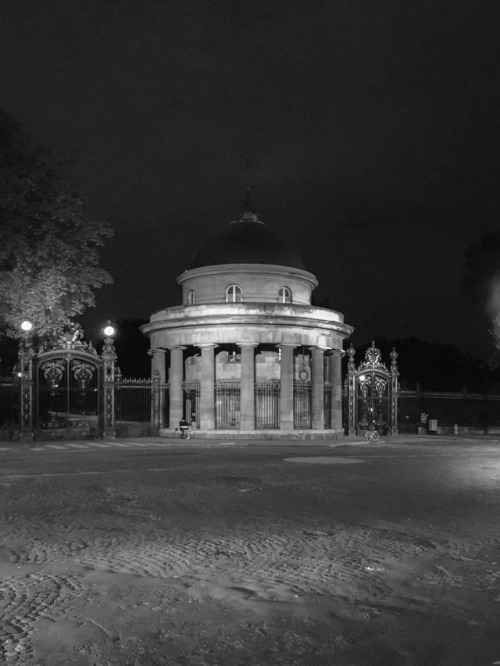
[(133, 400), (327, 404), (227, 405), (472, 411), (267, 405), (192, 404), (10, 401)]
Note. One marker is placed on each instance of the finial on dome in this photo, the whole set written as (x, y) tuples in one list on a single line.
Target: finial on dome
[(247, 204), (247, 210)]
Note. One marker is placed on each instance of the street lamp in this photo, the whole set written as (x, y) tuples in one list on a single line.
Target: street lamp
[(26, 326), (108, 330)]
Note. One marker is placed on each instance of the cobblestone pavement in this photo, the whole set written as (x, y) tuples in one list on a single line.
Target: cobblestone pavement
[(147, 552)]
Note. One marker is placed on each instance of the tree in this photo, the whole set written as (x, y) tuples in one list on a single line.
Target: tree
[(132, 348), (49, 256), (481, 283)]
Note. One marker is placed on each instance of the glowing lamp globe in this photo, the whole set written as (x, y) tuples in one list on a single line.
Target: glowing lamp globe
[(109, 331), (26, 326)]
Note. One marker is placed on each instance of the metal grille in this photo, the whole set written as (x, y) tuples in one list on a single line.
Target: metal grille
[(327, 401), (267, 405), (373, 401), (302, 406), (477, 412), (192, 404), (133, 400), (68, 397), (227, 405), (9, 406)]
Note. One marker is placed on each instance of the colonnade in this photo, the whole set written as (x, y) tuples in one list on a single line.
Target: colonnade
[(247, 385)]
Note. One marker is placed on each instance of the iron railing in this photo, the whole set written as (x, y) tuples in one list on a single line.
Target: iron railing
[(133, 400), (10, 403), (227, 405), (474, 411), (327, 404), (192, 403), (267, 405)]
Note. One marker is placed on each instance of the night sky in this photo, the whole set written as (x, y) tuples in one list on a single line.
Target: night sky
[(373, 127)]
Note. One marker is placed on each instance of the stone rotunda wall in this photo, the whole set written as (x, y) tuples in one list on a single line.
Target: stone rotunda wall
[(246, 340)]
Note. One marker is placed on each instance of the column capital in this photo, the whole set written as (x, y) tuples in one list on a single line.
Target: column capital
[(177, 347), (241, 345), (157, 350), (206, 345), (338, 352), (286, 345), (318, 348)]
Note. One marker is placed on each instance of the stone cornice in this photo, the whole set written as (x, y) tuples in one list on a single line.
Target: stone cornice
[(254, 315), (247, 269)]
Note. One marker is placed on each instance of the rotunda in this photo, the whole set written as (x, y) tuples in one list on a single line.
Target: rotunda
[(247, 354)]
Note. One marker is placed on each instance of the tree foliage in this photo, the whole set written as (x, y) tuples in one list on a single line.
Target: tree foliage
[(49, 255), (481, 283), (132, 348)]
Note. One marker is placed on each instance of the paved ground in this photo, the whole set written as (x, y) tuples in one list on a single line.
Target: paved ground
[(158, 552)]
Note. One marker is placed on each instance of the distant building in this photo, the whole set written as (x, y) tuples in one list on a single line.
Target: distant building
[(246, 353)]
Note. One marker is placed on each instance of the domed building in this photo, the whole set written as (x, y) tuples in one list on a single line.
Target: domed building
[(246, 354)]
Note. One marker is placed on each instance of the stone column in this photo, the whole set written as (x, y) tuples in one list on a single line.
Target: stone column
[(336, 380), (247, 386), (286, 386), (158, 376), (175, 386), (207, 387), (318, 389)]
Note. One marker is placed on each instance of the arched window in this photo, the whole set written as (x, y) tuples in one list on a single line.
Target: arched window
[(191, 297), (285, 295), (233, 294)]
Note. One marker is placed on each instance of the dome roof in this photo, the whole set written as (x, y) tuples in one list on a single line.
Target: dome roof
[(246, 241)]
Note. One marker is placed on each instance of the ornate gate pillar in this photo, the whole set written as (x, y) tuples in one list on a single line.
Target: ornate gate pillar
[(207, 387), (26, 395), (351, 391), (247, 388), (175, 386), (158, 376), (286, 386), (336, 381), (108, 359), (394, 391), (318, 389)]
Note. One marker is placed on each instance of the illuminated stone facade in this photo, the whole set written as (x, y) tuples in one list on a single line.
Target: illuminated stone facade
[(246, 353)]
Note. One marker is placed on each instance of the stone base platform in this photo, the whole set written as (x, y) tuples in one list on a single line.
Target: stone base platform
[(334, 433)]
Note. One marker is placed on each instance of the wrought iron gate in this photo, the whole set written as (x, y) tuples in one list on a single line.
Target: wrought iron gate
[(68, 394), (372, 392)]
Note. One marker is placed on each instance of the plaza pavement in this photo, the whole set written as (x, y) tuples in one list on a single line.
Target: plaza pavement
[(165, 442)]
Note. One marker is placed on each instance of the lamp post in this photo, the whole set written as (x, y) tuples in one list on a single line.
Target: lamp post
[(109, 358), (26, 356)]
